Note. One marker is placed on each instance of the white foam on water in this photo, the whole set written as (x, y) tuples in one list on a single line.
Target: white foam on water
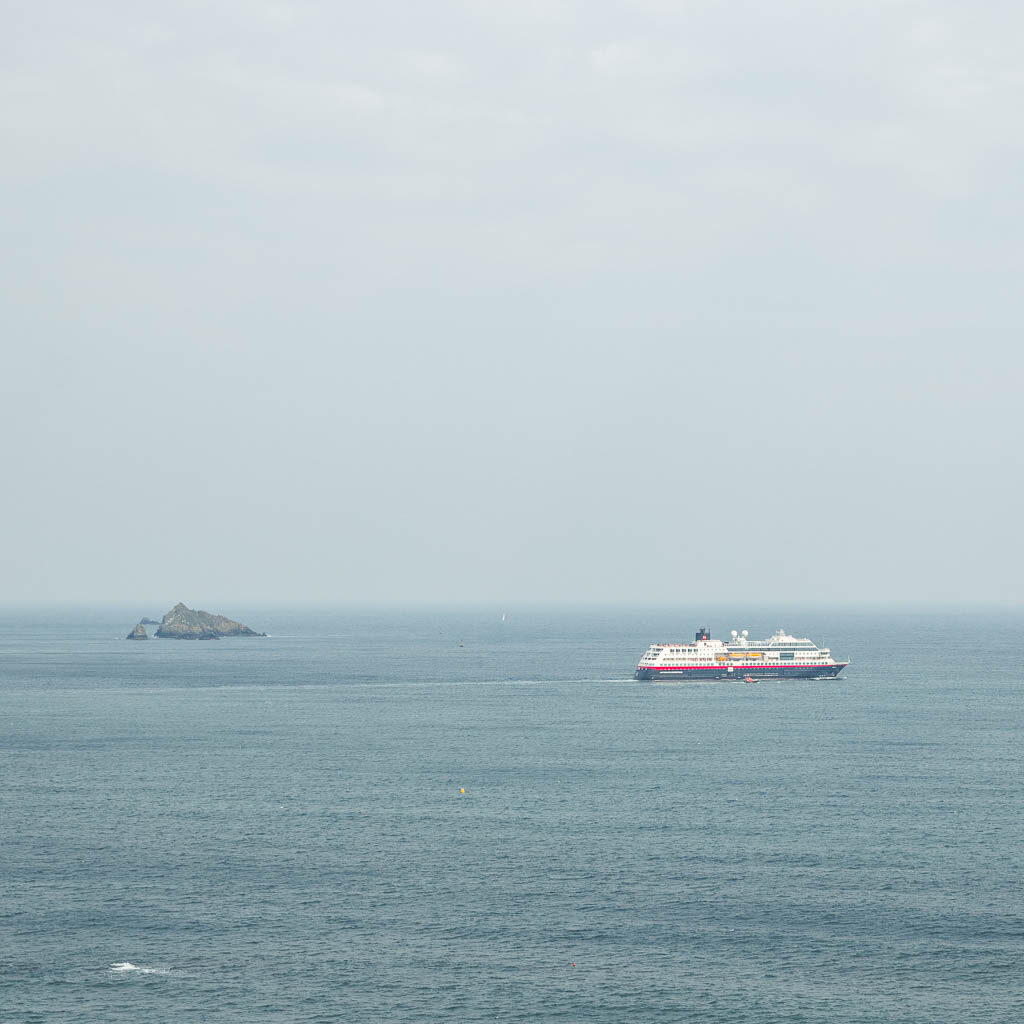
[(125, 966), (686, 682)]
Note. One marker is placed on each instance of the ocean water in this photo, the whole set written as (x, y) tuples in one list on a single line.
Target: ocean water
[(273, 830)]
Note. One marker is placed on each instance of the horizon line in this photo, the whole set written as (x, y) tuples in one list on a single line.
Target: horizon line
[(524, 604)]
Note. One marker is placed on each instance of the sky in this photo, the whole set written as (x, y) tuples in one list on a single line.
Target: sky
[(516, 301)]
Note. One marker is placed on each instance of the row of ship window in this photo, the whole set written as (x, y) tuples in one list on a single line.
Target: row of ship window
[(782, 654), (756, 650)]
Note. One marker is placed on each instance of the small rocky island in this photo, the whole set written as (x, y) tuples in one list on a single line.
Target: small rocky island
[(147, 621), (138, 633), (182, 623)]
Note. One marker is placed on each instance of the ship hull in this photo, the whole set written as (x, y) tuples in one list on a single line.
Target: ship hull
[(742, 672)]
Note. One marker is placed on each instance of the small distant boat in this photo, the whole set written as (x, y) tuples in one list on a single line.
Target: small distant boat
[(749, 679)]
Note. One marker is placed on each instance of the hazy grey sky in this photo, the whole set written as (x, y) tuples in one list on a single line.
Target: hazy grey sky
[(616, 301)]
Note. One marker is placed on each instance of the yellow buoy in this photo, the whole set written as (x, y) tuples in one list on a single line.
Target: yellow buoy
[(462, 791)]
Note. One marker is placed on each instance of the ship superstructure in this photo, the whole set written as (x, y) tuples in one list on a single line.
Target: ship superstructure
[(781, 656)]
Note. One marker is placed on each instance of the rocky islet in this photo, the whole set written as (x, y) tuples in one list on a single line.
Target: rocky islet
[(184, 623)]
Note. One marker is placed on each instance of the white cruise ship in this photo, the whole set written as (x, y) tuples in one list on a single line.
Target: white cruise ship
[(781, 656)]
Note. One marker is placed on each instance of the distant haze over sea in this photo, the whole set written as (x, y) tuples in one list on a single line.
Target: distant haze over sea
[(516, 301)]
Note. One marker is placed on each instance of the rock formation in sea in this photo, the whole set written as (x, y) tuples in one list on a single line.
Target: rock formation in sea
[(138, 633), (147, 621), (182, 623)]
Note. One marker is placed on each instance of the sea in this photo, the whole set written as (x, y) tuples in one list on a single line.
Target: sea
[(476, 814)]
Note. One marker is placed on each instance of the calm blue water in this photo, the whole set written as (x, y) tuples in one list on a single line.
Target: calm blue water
[(271, 830)]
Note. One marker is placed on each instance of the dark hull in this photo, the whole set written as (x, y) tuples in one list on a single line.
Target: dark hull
[(739, 674)]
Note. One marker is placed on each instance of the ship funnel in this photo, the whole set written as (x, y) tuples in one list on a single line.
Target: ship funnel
[(703, 634)]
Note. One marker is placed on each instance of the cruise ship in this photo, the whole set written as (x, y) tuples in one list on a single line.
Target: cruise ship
[(781, 656)]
